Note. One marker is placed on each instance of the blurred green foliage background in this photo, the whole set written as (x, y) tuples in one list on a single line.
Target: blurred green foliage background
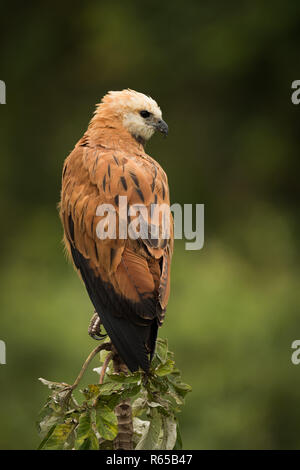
[(222, 74)]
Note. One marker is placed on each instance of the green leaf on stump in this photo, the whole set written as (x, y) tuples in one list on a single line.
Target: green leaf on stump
[(106, 422), (169, 437), (150, 439), (161, 349), (165, 369), (58, 437), (83, 429), (125, 378)]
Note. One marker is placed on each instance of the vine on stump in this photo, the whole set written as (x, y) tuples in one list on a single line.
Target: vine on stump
[(123, 411)]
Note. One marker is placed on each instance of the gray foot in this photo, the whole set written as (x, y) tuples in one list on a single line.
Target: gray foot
[(94, 329)]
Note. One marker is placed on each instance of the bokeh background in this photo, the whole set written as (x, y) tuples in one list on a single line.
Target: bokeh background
[(222, 74)]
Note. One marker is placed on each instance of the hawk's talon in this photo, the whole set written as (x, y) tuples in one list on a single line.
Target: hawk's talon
[(94, 329)]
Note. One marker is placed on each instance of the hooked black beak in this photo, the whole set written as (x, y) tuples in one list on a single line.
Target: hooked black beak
[(162, 127)]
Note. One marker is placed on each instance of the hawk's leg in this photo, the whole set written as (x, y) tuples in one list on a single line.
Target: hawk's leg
[(94, 329)]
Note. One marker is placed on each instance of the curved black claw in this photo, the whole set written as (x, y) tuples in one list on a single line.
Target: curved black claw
[(94, 329), (97, 337)]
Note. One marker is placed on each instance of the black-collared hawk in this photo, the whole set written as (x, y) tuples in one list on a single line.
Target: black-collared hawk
[(127, 278)]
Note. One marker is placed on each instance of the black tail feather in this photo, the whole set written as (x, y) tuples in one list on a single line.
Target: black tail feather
[(129, 339)]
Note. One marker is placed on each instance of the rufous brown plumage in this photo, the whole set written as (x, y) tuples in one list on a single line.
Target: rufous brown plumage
[(128, 280)]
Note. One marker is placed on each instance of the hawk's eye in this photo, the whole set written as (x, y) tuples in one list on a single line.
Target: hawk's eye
[(145, 114)]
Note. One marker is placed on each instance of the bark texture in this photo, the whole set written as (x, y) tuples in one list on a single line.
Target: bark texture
[(123, 411)]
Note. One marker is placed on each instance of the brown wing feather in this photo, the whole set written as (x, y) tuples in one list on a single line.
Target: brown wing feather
[(133, 276)]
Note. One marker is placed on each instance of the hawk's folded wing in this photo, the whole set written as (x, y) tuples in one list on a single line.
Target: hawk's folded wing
[(127, 280)]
